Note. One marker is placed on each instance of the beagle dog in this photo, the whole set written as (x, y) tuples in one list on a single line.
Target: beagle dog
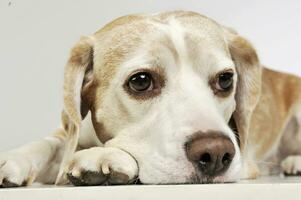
[(165, 98)]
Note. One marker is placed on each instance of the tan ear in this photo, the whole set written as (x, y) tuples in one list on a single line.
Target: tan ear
[(248, 85), (77, 77)]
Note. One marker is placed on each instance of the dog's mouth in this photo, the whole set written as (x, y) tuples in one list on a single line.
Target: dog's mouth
[(192, 180), (195, 180)]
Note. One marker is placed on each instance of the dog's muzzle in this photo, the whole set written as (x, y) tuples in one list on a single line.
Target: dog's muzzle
[(211, 153)]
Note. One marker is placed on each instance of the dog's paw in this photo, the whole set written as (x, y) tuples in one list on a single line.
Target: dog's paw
[(291, 165), (101, 165), (15, 170)]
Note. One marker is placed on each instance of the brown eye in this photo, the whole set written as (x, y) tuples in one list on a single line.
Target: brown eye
[(144, 84), (225, 81), (141, 82)]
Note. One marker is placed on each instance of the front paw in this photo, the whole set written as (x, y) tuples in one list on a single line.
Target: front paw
[(15, 170), (101, 165), (291, 165)]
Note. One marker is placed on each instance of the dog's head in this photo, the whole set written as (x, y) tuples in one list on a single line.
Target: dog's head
[(164, 88)]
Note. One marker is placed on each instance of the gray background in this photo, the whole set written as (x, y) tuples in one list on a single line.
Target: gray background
[(35, 38)]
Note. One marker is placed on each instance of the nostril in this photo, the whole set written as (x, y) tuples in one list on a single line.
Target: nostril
[(211, 154), (227, 158), (205, 159)]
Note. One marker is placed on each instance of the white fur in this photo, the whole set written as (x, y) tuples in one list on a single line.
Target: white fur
[(26, 163)]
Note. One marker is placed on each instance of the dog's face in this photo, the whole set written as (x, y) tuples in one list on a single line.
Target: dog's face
[(164, 88)]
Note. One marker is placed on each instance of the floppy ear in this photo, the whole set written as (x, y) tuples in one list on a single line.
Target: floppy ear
[(249, 83), (78, 77)]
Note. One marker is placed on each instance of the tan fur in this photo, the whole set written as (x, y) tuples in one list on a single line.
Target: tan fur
[(244, 50), (61, 134), (79, 61), (281, 93), (248, 86)]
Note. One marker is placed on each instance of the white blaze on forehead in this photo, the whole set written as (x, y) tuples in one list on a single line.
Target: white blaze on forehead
[(176, 32), (177, 36)]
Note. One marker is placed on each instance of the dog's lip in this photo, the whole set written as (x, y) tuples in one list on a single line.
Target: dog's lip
[(213, 180)]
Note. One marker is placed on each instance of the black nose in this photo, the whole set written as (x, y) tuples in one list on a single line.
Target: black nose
[(211, 152)]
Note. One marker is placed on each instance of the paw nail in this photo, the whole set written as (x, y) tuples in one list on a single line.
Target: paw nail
[(105, 168)]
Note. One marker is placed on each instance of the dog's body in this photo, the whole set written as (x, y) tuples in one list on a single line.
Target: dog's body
[(275, 125), (156, 94)]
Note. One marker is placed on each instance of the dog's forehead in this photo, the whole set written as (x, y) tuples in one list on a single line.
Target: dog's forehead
[(120, 39)]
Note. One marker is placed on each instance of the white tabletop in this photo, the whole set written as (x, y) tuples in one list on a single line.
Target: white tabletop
[(266, 188)]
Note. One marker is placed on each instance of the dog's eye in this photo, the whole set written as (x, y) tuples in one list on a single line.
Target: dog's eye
[(225, 81), (140, 82), (145, 83)]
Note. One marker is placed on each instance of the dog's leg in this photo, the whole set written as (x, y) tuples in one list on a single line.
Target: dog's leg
[(23, 165), (99, 165)]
